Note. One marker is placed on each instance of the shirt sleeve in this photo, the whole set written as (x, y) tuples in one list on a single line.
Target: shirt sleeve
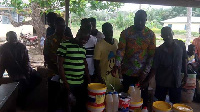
[(156, 60), (121, 48), (151, 51), (62, 50), (97, 51)]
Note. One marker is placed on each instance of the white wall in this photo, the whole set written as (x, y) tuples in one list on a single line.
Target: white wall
[(181, 26), (4, 28)]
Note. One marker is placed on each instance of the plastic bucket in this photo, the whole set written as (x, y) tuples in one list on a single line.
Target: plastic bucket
[(91, 108), (187, 95), (161, 106), (96, 93), (182, 108), (191, 81), (136, 106)]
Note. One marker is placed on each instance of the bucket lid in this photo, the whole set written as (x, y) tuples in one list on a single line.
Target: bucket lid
[(161, 105), (109, 93), (115, 92)]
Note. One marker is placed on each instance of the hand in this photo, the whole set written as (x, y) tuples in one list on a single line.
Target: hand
[(114, 71), (144, 84), (89, 79), (66, 85), (142, 77), (184, 80)]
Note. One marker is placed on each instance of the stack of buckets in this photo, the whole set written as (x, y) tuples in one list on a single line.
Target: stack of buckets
[(96, 99), (189, 89)]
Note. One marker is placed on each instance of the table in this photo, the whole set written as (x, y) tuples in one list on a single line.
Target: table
[(8, 96)]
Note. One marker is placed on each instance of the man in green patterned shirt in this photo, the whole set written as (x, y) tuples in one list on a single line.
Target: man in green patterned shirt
[(135, 53)]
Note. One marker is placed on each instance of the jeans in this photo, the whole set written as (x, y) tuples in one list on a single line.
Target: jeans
[(174, 94)]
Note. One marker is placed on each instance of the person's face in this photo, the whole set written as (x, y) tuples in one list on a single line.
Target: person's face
[(191, 50), (167, 36), (50, 22), (60, 27), (139, 22), (93, 25), (84, 38), (108, 32)]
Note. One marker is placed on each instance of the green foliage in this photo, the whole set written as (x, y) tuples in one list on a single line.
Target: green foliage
[(180, 32), (195, 34), (156, 30)]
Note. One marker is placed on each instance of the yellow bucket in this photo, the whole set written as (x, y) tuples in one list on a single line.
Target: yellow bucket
[(161, 106), (182, 108), (136, 106), (96, 93)]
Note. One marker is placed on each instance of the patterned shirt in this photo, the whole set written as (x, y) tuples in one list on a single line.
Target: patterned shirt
[(50, 49), (135, 51), (74, 65), (196, 42)]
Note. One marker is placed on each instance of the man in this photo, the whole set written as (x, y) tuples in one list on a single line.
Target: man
[(94, 31), (51, 20), (89, 46), (193, 62), (15, 60), (104, 55), (50, 55), (51, 17), (135, 53), (196, 42), (73, 67), (169, 59)]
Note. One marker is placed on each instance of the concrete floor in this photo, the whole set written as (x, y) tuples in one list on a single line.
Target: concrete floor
[(195, 106)]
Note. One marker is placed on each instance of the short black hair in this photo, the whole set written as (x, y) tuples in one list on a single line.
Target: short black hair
[(85, 21), (59, 20), (11, 36), (106, 25), (166, 28), (51, 15), (92, 20), (140, 12), (191, 46)]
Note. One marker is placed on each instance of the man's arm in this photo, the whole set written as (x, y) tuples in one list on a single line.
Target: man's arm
[(121, 49), (87, 72), (149, 61), (62, 72), (98, 71), (151, 74)]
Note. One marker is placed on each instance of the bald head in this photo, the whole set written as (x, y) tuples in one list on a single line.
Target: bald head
[(11, 37), (140, 20)]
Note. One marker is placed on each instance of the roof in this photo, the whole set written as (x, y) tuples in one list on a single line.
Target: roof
[(184, 3), (182, 20)]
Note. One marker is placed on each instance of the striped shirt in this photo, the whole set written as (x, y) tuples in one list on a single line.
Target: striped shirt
[(89, 46), (74, 66)]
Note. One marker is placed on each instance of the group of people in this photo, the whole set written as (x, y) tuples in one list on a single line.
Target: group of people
[(92, 56)]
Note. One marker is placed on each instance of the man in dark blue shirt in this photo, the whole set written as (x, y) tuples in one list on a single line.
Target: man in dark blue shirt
[(170, 58)]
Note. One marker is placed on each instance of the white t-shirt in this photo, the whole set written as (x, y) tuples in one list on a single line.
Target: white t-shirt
[(89, 46)]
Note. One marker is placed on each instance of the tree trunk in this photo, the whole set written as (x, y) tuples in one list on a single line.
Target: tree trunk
[(189, 16), (38, 25), (36, 21)]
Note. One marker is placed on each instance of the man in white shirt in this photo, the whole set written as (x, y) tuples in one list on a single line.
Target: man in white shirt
[(94, 31)]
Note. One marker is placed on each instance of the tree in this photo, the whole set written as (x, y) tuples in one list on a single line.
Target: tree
[(35, 9)]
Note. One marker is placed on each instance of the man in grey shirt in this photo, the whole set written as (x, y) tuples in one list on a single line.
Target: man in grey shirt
[(170, 59)]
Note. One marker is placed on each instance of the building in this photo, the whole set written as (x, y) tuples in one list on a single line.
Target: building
[(180, 23), (6, 26)]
